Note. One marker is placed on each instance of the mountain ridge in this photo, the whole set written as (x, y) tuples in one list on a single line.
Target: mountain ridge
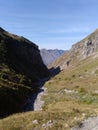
[(79, 51), (50, 55)]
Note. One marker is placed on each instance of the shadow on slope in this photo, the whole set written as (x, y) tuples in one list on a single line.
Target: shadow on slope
[(29, 105)]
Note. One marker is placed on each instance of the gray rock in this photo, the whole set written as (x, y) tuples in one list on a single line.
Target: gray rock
[(89, 124), (79, 51)]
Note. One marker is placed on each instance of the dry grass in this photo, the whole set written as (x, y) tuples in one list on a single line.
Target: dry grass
[(71, 97)]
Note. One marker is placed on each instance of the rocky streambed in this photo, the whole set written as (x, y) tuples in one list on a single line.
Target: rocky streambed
[(35, 102), (38, 104)]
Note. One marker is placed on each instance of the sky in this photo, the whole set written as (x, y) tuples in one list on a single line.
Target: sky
[(51, 24)]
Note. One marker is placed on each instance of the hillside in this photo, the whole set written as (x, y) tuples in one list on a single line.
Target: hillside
[(19, 71), (70, 97), (79, 51), (50, 55)]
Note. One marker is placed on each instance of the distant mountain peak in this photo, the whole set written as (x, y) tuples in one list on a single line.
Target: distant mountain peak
[(50, 55)]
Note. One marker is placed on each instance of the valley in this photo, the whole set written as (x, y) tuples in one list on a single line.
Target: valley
[(69, 97)]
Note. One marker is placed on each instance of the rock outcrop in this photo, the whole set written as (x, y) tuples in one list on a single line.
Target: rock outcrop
[(79, 51)]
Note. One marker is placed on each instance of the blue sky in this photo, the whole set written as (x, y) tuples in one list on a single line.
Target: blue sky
[(50, 23)]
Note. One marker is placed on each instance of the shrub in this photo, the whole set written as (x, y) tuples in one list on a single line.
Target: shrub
[(82, 90), (73, 76), (3, 76), (23, 80), (77, 86), (59, 78), (3, 51), (66, 78)]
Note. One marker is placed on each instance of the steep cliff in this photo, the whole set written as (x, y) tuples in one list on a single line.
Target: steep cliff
[(21, 68), (23, 56)]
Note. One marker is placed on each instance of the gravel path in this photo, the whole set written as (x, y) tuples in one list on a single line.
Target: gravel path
[(90, 124), (39, 102)]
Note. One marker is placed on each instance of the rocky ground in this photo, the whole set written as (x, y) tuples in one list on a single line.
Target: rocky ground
[(39, 102), (89, 124)]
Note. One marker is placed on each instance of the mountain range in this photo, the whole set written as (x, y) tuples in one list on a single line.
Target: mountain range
[(50, 55)]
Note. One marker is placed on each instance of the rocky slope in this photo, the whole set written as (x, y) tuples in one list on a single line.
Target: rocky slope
[(50, 55), (21, 68), (79, 51)]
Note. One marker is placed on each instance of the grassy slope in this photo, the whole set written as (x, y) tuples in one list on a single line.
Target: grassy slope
[(13, 91), (63, 107)]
